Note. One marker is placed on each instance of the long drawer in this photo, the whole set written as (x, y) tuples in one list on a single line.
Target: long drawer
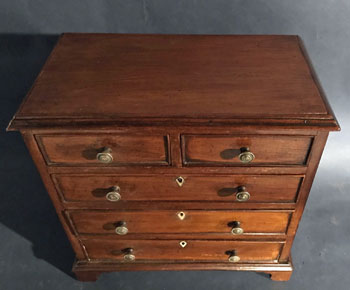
[(176, 222), (234, 188), (183, 250)]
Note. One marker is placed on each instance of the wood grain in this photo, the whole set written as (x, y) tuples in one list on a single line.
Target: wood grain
[(167, 75), (93, 188), (72, 150), (167, 221), (170, 106), (195, 250), (224, 150)]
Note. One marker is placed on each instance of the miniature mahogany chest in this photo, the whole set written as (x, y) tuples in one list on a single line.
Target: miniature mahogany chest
[(177, 152)]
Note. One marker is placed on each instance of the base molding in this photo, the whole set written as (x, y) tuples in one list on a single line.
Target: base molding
[(89, 271)]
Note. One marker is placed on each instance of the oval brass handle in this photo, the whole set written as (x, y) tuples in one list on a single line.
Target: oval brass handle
[(105, 156), (121, 229), (114, 195), (129, 255), (233, 258), (237, 230), (246, 156), (242, 194)]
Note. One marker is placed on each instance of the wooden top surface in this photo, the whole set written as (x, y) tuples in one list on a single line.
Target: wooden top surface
[(181, 77)]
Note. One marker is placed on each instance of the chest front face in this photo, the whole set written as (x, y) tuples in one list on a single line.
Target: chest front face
[(177, 152)]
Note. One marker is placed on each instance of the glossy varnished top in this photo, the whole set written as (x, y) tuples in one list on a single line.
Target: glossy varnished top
[(173, 78)]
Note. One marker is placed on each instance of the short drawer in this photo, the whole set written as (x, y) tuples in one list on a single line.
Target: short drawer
[(104, 150), (235, 188), (183, 250), (217, 150), (176, 222)]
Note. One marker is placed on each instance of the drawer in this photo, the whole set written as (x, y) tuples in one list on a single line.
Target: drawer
[(234, 188), (110, 149), (177, 222), (183, 250), (217, 150)]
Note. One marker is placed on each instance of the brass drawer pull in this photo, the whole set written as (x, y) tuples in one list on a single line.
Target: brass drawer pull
[(246, 156), (237, 230), (121, 229), (105, 156), (129, 255), (242, 194), (114, 195), (233, 258)]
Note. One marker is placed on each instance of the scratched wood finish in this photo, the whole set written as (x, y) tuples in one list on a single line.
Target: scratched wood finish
[(224, 150), (195, 221), (93, 188), (169, 106), (82, 149), (194, 250)]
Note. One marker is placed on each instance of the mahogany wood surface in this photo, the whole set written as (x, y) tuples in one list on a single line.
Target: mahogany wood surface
[(194, 221), (194, 250), (82, 149), (120, 76), (172, 106), (224, 150), (94, 188), (280, 275), (88, 271)]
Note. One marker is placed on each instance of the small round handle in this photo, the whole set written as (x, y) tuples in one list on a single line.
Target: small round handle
[(121, 229), (246, 156), (234, 258), (237, 230), (105, 156), (242, 194), (114, 195), (129, 255)]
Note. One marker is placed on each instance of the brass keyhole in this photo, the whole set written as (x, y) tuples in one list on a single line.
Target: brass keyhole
[(181, 215), (183, 244), (180, 181)]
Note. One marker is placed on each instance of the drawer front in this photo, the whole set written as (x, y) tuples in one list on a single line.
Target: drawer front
[(83, 150), (177, 222), (184, 250), (225, 150), (277, 188)]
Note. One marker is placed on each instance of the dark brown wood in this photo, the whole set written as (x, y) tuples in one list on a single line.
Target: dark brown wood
[(192, 250), (71, 150), (94, 188), (315, 156), (87, 276), (40, 164), (194, 221), (177, 106), (118, 77), (224, 150), (108, 266)]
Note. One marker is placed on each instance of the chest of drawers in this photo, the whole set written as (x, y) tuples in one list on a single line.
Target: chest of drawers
[(164, 152)]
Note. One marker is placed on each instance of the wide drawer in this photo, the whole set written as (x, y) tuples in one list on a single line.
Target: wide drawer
[(177, 222), (183, 250), (234, 188), (217, 150), (110, 149)]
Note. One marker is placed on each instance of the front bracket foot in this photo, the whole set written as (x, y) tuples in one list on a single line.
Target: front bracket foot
[(280, 275), (87, 276)]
